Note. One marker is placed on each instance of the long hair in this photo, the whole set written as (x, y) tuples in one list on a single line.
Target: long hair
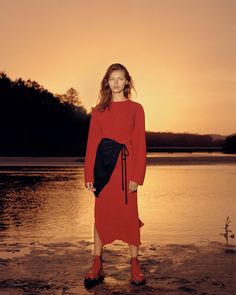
[(105, 93)]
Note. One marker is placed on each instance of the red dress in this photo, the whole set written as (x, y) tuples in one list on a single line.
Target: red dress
[(125, 123)]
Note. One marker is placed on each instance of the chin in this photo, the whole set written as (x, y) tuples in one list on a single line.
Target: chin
[(117, 90)]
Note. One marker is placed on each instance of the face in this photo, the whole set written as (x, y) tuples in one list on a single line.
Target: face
[(117, 81)]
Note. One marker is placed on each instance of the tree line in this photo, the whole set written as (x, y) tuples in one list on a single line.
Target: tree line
[(36, 122)]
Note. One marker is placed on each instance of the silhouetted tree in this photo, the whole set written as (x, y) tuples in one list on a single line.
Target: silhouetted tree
[(33, 121), (167, 139), (229, 146), (71, 96)]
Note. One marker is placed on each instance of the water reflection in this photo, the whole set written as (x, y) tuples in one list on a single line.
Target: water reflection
[(176, 203), (43, 203), (188, 203)]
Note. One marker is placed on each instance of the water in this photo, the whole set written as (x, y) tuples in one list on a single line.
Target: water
[(188, 203), (45, 200)]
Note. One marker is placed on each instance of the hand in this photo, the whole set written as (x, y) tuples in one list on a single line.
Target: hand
[(89, 186), (133, 186)]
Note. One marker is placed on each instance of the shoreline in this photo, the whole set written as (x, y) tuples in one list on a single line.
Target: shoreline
[(170, 269), (189, 159)]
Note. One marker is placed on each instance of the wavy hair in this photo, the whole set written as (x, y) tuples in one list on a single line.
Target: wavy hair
[(105, 93)]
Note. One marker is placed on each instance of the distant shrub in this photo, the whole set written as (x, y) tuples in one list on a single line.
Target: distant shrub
[(227, 232)]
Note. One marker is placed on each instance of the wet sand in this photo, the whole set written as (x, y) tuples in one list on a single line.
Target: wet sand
[(172, 269)]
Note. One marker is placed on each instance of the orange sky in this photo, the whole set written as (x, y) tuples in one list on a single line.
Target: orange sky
[(180, 53)]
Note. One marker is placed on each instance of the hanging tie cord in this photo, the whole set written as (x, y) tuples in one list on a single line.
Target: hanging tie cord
[(124, 153)]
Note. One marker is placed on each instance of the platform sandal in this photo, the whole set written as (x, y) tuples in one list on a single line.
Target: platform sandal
[(137, 278), (96, 274)]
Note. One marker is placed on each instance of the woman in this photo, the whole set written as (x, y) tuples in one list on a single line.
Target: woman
[(119, 119)]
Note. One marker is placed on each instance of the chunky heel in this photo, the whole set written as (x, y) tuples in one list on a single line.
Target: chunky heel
[(137, 278), (96, 274)]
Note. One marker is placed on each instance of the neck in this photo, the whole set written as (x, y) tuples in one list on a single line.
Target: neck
[(118, 96)]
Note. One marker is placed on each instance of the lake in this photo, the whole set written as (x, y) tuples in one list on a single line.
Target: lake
[(185, 198)]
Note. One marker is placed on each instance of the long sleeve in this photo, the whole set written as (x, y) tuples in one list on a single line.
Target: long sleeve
[(139, 146), (94, 136)]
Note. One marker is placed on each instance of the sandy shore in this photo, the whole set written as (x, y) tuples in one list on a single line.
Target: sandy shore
[(172, 269)]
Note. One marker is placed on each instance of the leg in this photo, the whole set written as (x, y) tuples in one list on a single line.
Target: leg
[(96, 273), (133, 250), (98, 246), (137, 278)]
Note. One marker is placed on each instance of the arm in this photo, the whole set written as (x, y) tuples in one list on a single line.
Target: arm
[(94, 136), (139, 146)]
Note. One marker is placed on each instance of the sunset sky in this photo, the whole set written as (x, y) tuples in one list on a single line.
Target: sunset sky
[(181, 54)]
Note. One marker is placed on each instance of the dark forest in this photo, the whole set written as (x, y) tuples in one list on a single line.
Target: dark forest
[(35, 122)]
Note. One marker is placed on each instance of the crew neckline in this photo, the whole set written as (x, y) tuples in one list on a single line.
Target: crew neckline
[(120, 100)]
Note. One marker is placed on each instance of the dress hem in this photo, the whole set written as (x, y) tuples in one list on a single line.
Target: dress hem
[(115, 239), (119, 239)]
